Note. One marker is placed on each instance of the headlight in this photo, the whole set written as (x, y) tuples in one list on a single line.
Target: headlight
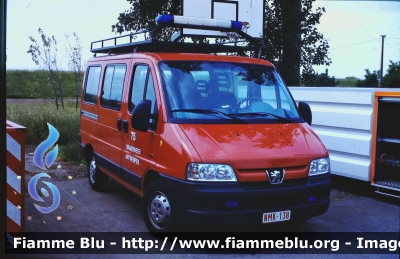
[(319, 166), (210, 172)]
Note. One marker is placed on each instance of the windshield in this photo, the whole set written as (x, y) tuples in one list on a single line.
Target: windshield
[(221, 92)]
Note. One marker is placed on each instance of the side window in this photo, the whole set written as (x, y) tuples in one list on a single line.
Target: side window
[(105, 93), (92, 84), (151, 95), (138, 85), (113, 86), (143, 89)]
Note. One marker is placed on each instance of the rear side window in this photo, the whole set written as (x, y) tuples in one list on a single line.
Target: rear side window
[(92, 84), (113, 86)]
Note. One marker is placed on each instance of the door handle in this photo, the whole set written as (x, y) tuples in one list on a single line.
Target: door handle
[(119, 124), (125, 126)]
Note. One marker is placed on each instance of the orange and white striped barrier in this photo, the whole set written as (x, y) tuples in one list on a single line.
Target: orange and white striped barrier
[(15, 170)]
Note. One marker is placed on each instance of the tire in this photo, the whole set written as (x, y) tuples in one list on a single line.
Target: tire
[(97, 179), (157, 209)]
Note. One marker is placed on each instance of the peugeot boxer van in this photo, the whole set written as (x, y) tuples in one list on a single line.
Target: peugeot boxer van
[(201, 137)]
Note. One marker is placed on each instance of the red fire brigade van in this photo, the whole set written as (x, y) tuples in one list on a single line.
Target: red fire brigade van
[(208, 137)]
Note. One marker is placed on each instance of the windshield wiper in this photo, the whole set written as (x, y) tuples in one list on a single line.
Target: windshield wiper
[(206, 111), (263, 114)]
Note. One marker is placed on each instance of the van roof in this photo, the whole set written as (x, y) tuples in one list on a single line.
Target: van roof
[(171, 56)]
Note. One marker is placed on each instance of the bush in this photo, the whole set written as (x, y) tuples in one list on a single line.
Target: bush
[(70, 152), (392, 77), (371, 79), (316, 79)]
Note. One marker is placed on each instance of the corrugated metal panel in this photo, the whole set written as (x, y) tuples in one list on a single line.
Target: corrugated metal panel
[(343, 119)]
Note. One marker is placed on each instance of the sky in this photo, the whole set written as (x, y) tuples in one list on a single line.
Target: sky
[(353, 28)]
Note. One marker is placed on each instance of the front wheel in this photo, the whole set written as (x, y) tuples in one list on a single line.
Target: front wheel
[(97, 179), (157, 209)]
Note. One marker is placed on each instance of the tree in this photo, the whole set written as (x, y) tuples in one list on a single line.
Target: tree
[(45, 56), (371, 79), (74, 54), (316, 79), (290, 35), (293, 41), (392, 77), (142, 15)]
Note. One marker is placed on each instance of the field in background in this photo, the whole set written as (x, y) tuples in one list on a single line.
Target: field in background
[(347, 82), (34, 84)]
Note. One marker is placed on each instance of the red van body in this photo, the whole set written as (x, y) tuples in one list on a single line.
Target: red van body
[(199, 156)]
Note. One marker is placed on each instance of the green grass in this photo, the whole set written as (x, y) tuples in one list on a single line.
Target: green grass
[(34, 84), (35, 118)]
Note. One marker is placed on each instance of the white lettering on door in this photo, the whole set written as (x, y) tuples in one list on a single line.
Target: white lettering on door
[(132, 159)]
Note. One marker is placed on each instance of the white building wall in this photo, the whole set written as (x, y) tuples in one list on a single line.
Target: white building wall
[(343, 119)]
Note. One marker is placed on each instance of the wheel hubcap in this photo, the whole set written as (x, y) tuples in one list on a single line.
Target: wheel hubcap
[(160, 211), (92, 170)]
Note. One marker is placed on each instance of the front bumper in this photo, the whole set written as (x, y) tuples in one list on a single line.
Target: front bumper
[(245, 203)]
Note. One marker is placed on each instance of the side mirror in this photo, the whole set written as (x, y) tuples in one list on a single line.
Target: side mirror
[(305, 112), (141, 116)]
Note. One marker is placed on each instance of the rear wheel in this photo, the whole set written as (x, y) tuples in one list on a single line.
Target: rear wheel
[(157, 209), (97, 179)]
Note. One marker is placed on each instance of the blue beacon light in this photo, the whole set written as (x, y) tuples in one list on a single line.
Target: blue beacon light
[(164, 19), (183, 20)]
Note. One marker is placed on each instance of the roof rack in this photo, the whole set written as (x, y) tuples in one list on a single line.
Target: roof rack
[(130, 43)]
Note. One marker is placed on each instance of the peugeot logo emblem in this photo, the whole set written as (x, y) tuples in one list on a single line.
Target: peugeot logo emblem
[(275, 176)]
